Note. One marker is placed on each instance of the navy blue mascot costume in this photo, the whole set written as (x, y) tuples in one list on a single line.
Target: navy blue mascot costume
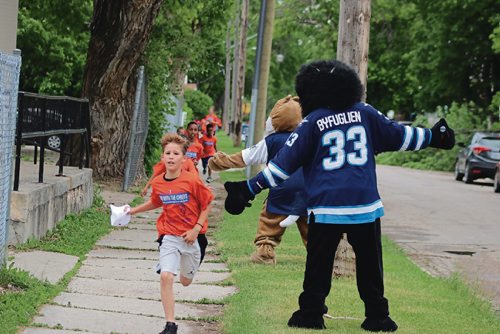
[(336, 144)]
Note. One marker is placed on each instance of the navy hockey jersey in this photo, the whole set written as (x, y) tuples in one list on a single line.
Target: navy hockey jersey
[(337, 152), (287, 198)]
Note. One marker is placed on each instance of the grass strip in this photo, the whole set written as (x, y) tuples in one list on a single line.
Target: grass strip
[(268, 295)]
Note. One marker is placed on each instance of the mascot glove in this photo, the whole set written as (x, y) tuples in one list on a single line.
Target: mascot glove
[(289, 221), (215, 163), (238, 197), (442, 135), (222, 161)]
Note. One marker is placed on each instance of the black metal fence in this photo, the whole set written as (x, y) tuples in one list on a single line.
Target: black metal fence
[(41, 117)]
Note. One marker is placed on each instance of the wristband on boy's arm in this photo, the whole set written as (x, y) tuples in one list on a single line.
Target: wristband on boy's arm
[(201, 225)]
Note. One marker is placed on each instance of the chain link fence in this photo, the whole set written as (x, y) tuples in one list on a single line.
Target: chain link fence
[(139, 132), (10, 66)]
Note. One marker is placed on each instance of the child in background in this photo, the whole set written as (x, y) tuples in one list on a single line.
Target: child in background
[(209, 143), (181, 132), (195, 149), (159, 168), (186, 204)]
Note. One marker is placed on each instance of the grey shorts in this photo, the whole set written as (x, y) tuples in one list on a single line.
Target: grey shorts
[(178, 256)]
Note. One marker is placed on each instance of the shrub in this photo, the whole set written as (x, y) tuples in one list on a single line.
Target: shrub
[(464, 118), (198, 102)]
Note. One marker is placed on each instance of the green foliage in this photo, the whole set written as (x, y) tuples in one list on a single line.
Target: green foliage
[(17, 307), (495, 35), (463, 118), (303, 31), (390, 85), (452, 59), (189, 113), (186, 34), (53, 37), (422, 53), (198, 102)]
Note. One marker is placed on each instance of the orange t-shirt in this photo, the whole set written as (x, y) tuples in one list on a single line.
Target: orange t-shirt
[(182, 199), (212, 118), (195, 150), (208, 145), (187, 165)]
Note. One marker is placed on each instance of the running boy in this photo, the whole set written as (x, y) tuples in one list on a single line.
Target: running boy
[(209, 143), (186, 204)]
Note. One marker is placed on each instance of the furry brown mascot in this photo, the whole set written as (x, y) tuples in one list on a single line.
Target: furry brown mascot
[(284, 204), (336, 145)]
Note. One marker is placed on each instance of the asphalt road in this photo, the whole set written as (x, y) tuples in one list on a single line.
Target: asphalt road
[(445, 226)]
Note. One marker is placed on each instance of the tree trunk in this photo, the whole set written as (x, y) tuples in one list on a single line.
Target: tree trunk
[(119, 33), (240, 80), (265, 63), (352, 49)]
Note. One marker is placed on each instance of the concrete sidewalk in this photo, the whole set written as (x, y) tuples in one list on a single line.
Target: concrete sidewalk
[(116, 290)]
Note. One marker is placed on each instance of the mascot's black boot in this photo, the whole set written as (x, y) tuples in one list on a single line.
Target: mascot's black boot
[(300, 320), (379, 325)]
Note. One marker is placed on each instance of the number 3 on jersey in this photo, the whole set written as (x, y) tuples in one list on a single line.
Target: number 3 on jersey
[(336, 140)]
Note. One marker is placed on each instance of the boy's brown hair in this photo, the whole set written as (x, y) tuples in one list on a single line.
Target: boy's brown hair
[(176, 139)]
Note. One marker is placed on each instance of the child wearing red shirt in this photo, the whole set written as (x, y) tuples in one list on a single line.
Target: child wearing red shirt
[(186, 204), (195, 149), (209, 143)]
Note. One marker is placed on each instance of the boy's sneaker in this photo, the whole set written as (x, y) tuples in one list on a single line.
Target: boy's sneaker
[(209, 179), (170, 328), (379, 325), (204, 171)]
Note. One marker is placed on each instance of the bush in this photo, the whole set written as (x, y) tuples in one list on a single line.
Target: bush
[(462, 117), (198, 102)]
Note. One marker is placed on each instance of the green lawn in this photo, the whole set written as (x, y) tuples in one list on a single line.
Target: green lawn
[(268, 295)]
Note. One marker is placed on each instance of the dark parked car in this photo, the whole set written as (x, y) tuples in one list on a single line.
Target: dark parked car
[(479, 159), (496, 185)]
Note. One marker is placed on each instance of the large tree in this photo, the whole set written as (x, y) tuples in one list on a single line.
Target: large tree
[(119, 34)]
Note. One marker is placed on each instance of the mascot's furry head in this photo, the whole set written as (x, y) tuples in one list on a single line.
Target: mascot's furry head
[(285, 115), (327, 84)]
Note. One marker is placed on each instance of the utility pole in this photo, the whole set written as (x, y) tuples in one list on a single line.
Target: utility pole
[(354, 36), (236, 58), (240, 47), (352, 49), (261, 77), (240, 84), (227, 81)]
